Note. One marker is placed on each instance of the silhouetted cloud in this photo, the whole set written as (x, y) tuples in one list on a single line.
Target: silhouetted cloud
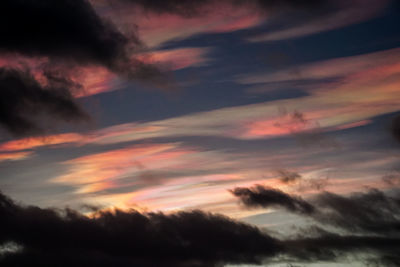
[(46, 237), (371, 221), (65, 35), (120, 238), (23, 101), (382, 251), (62, 29), (369, 212), (265, 197)]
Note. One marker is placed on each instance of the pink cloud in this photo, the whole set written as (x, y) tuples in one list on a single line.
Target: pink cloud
[(102, 171), (175, 59), (155, 29)]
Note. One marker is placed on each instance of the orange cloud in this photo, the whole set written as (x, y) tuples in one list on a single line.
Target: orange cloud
[(35, 142), (175, 59), (97, 172), (113, 134), (14, 156), (95, 80)]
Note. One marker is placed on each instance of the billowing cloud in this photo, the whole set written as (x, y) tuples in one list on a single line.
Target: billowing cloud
[(24, 101), (43, 28), (122, 238), (193, 238)]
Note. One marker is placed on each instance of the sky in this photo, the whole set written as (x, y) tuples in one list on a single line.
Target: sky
[(200, 133)]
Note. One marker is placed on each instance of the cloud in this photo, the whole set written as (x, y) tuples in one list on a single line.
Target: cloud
[(24, 102), (54, 45), (266, 197), (187, 239), (14, 156), (177, 58), (162, 21), (294, 18), (360, 221), (395, 128), (288, 177), (128, 238), (106, 170), (187, 8), (369, 212), (157, 28), (332, 15), (43, 28)]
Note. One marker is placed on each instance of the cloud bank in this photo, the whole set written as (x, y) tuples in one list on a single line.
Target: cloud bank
[(192, 238)]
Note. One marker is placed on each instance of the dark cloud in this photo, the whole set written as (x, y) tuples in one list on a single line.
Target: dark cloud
[(129, 238), (370, 221), (369, 212), (25, 104), (265, 197), (50, 237), (72, 31), (66, 34), (330, 247), (67, 29)]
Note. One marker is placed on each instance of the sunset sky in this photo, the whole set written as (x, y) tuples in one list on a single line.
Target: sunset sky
[(174, 106)]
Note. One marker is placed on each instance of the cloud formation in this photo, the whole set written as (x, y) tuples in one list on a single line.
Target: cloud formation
[(43, 33), (373, 216), (187, 239), (266, 197), (295, 18), (122, 238), (370, 212), (23, 101), (44, 28)]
